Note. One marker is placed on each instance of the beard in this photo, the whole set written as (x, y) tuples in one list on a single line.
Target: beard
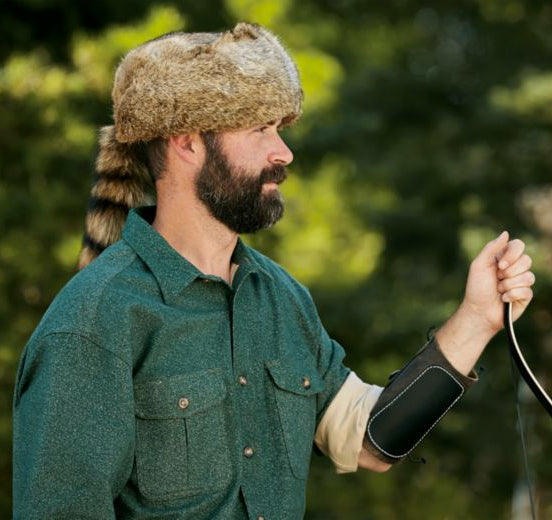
[(235, 197)]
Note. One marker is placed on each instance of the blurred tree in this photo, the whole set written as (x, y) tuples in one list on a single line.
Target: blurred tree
[(427, 130)]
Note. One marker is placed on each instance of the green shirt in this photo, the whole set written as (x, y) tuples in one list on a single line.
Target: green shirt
[(151, 390)]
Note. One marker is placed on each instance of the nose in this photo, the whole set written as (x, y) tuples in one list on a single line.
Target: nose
[(280, 152)]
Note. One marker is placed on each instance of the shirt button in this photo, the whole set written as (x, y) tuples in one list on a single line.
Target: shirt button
[(242, 380), (183, 403), (260, 518), (306, 383), (248, 452)]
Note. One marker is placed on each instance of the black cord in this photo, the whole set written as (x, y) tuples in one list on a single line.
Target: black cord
[(431, 332), (421, 460), (522, 436)]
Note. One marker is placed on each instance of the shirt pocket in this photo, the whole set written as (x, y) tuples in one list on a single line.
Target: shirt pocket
[(296, 384), (181, 439)]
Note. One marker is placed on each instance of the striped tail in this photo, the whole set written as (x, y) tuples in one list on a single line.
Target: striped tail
[(122, 182)]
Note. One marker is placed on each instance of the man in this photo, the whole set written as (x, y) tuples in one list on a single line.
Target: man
[(185, 375)]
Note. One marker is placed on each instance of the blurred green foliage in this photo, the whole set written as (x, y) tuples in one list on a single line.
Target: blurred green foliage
[(427, 130)]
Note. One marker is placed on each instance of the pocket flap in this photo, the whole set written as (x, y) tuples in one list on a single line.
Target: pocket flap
[(179, 396), (298, 376)]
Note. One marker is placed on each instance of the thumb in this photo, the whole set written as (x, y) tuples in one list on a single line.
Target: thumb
[(495, 248)]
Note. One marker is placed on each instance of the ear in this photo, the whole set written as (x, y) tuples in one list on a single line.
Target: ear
[(189, 147)]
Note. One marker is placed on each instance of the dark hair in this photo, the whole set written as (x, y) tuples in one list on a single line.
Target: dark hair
[(155, 152), (209, 139)]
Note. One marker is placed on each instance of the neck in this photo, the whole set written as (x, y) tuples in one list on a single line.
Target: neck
[(189, 228)]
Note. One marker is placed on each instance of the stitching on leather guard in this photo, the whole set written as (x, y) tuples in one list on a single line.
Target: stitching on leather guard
[(395, 399)]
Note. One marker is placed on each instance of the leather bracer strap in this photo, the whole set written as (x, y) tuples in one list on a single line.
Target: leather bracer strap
[(413, 402)]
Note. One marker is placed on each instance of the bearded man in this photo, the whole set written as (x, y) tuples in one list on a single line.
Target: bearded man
[(182, 374)]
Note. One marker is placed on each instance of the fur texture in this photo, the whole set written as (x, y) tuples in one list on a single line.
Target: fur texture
[(183, 83), (122, 182), (195, 82)]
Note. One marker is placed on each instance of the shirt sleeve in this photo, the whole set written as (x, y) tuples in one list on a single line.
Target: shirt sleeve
[(343, 406), (331, 368), (73, 439)]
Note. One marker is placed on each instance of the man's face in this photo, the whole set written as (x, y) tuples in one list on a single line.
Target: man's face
[(239, 179)]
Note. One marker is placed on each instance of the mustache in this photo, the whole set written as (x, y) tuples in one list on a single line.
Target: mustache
[(277, 174)]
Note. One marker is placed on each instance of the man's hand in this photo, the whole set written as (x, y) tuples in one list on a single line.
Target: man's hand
[(500, 273)]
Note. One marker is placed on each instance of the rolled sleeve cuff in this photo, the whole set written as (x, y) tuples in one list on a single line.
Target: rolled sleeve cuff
[(343, 426)]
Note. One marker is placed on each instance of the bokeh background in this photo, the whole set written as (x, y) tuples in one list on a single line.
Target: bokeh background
[(427, 131)]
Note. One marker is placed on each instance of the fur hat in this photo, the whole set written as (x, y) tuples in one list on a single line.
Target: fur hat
[(182, 83)]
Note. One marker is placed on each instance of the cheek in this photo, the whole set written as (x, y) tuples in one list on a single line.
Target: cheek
[(247, 153), (252, 159)]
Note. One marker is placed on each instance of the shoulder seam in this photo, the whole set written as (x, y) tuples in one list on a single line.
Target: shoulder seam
[(88, 339), (105, 284)]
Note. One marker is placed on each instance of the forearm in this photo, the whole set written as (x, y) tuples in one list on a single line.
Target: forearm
[(370, 461), (463, 338)]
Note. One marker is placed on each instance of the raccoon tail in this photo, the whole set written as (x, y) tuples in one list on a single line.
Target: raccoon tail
[(122, 182)]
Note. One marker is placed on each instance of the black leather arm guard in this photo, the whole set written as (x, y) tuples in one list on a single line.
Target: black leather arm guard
[(413, 402)]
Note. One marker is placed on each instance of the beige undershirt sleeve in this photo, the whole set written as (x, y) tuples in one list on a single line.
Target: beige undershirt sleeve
[(341, 430)]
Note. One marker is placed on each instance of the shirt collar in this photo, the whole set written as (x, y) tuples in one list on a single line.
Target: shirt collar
[(172, 271)]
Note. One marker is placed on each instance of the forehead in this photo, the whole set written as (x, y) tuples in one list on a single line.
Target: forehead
[(275, 123)]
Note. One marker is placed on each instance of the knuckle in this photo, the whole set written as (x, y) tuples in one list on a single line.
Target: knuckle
[(516, 246)]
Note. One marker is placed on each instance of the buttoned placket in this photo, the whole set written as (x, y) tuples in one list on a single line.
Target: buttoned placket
[(239, 358), (244, 380)]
